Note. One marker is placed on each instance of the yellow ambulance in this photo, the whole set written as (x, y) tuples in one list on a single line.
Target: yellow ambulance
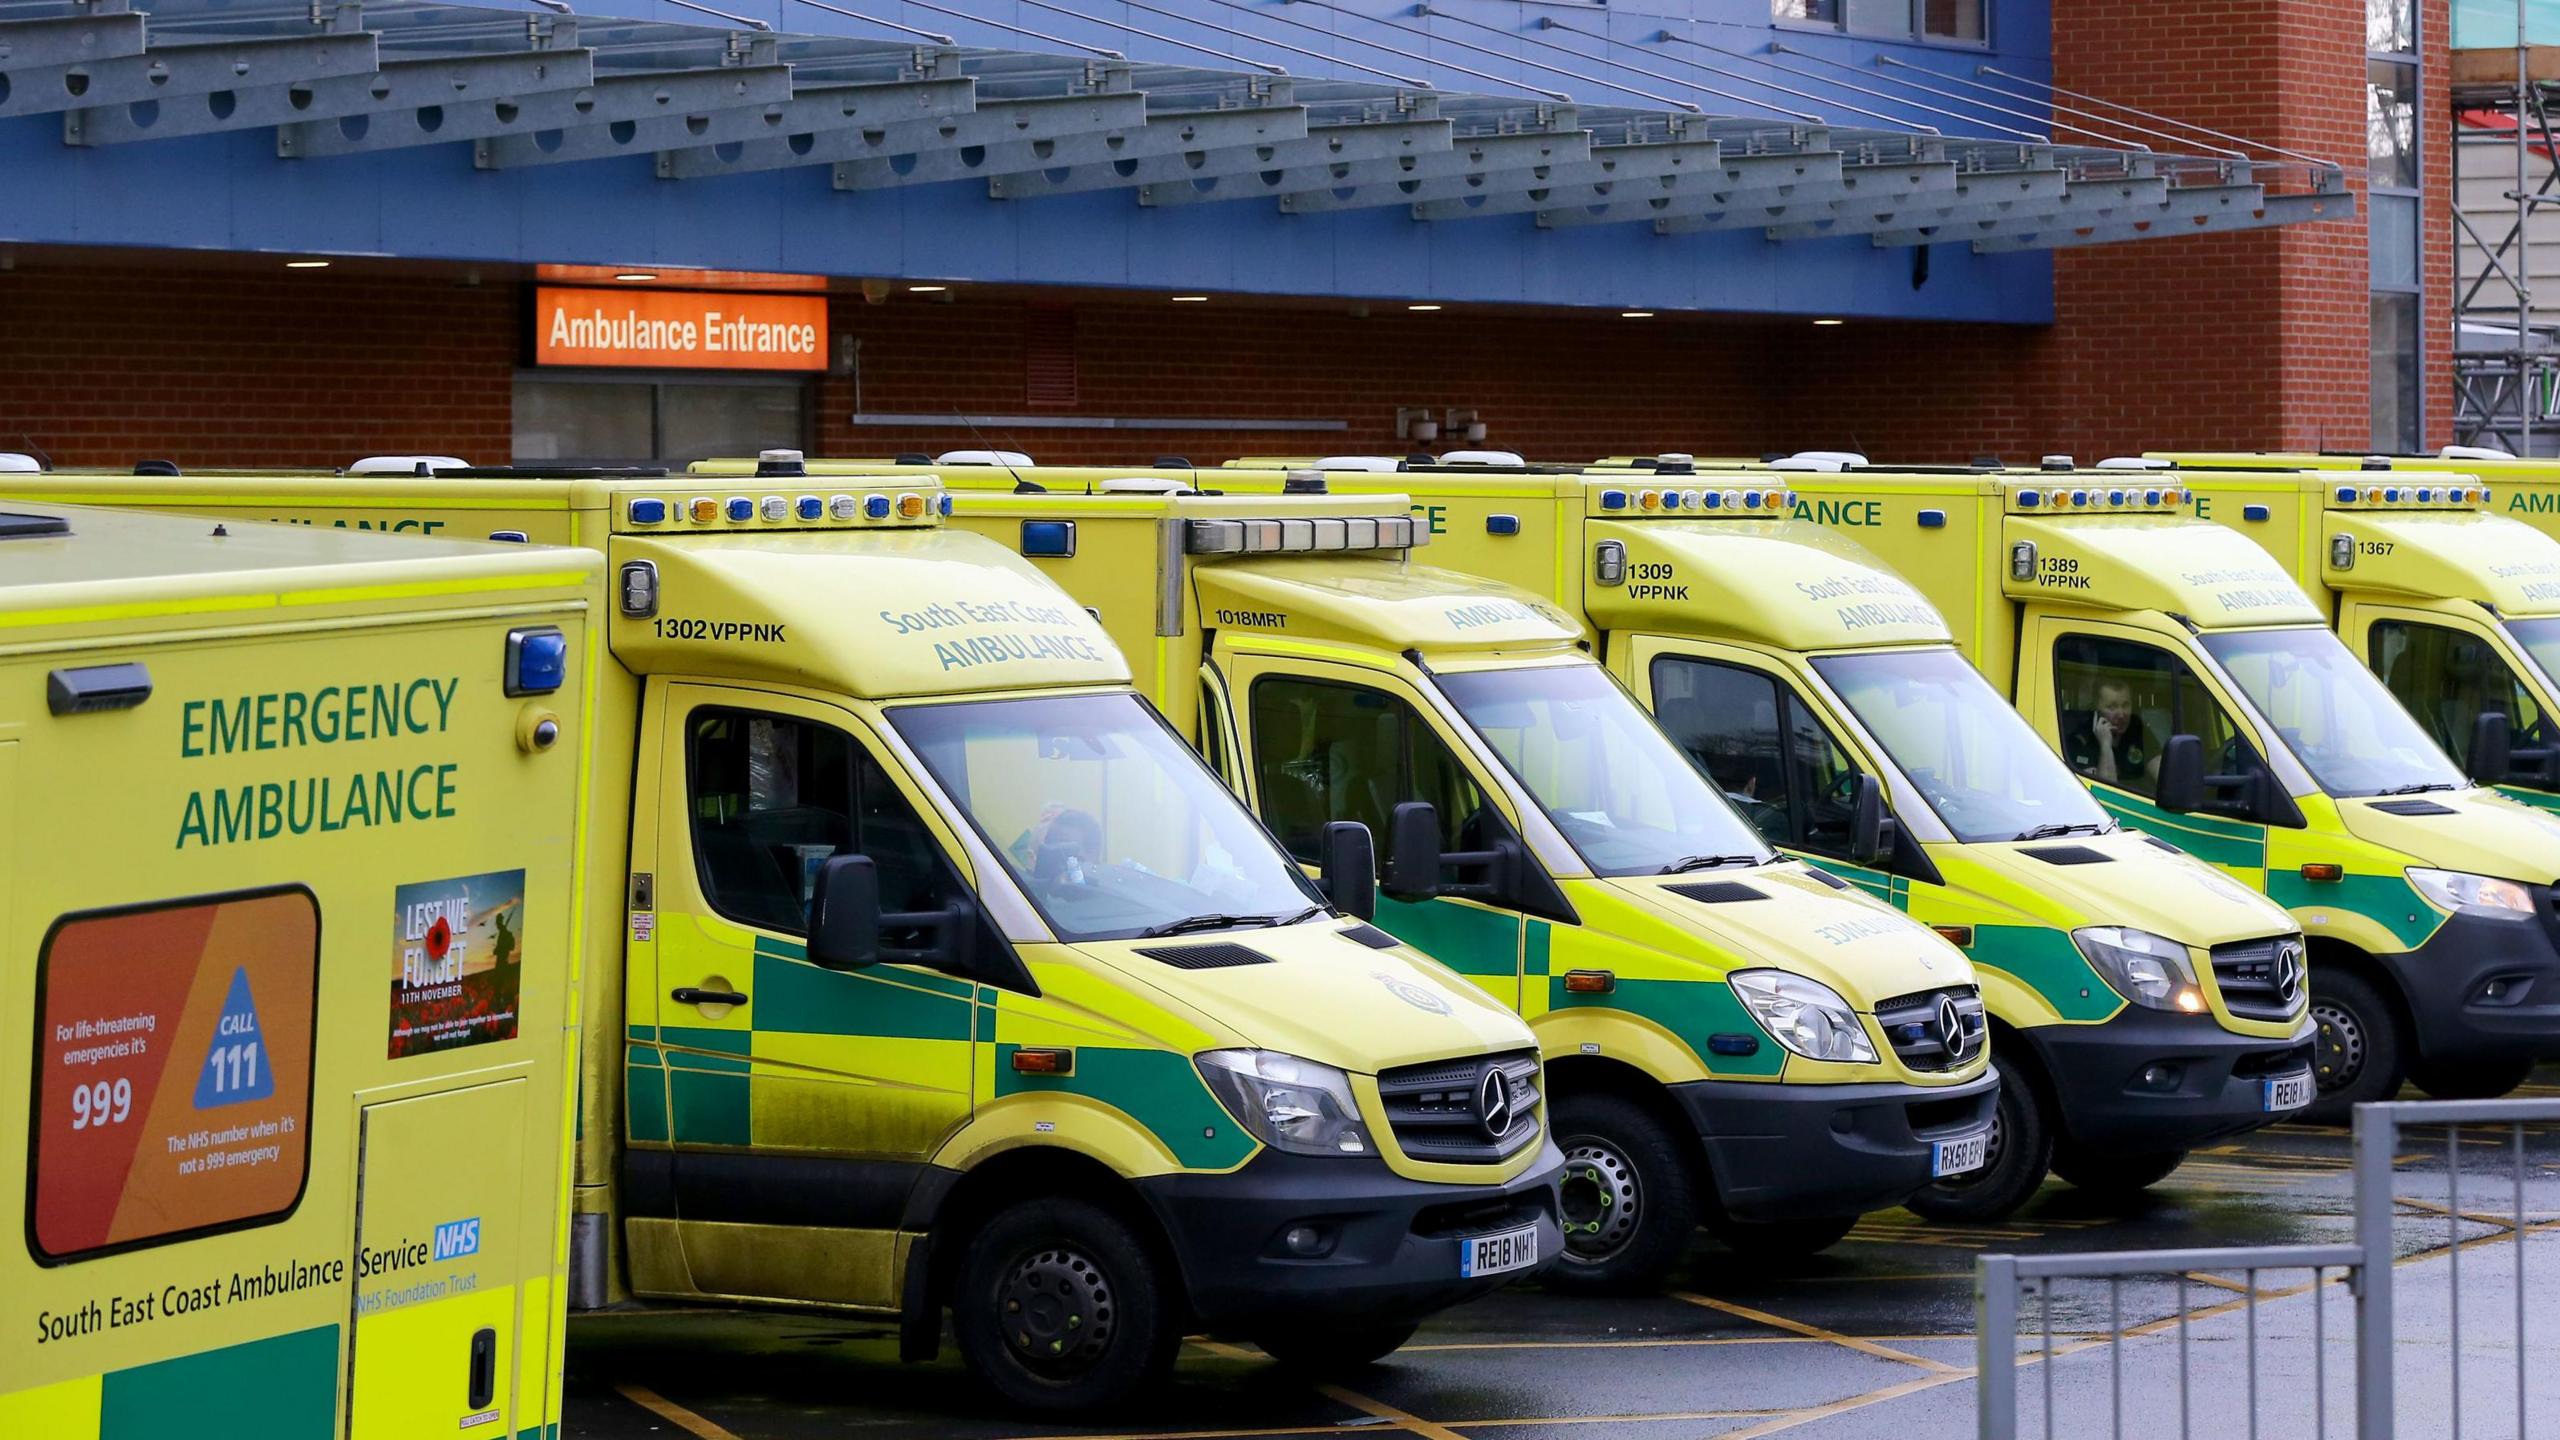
[(2455, 606), (1733, 1038), (930, 970), (2141, 1004), (288, 936), (2177, 667)]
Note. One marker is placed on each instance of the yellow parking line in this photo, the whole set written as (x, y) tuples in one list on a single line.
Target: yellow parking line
[(1793, 1419), (1385, 1411), (1664, 1418), (674, 1414), (1864, 1347)]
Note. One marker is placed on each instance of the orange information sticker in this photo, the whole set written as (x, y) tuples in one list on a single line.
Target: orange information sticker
[(173, 1070), (694, 329)]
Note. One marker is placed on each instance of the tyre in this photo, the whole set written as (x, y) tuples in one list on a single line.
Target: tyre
[(2468, 1079), (1336, 1349), (2358, 1051), (1783, 1239), (1630, 1200), (2021, 1151), (1061, 1309), (2104, 1173)]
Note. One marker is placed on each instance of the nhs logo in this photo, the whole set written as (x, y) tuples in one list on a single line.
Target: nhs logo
[(457, 1238)]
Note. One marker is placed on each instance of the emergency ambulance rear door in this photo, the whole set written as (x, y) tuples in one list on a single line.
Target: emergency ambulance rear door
[(803, 1102), (1322, 741)]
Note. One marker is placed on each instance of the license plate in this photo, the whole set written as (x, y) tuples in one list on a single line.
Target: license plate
[(1498, 1254), (1959, 1157), (2290, 1092)]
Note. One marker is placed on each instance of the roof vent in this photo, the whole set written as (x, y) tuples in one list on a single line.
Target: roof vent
[(388, 465), (1011, 459), (1359, 464), (155, 467), (911, 457), (1170, 462), (2133, 462), (2375, 462), (780, 462), (1303, 482), (13, 463), (1836, 459), (1822, 465), (2474, 452), (2056, 462), (1482, 457), (1145, 485)]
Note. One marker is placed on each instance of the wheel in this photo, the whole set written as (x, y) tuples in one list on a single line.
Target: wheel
[(2021, 1151), (1630, 1202), (1336, 1349), (1061, 1309), (2357, 1053), (1783, 1239), (2468, 1079), (2103, 1173)]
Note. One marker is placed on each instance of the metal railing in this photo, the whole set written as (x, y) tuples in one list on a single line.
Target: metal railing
[(2366, 1265)]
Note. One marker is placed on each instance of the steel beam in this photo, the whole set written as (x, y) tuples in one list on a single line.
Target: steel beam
[(2082, 202), (1979, 195), (1861, 188), (1752, 176), (649, 112), (2180, 206), (1360, 183), (1322, 145), (169, 70), (413, 85), (2202, 215), (1660, 168), (62, 41), (1170, 132), (989, 124)]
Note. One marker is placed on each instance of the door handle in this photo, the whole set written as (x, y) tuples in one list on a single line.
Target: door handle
[(688, 995)]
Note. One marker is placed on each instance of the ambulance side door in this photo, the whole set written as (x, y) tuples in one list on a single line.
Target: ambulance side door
[(1321, 742), (2076, 673), (1764, 746), (803, 1102), (2449, 669)]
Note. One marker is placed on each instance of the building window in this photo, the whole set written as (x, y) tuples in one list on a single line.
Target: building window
[(625, 419), (2393, 205), (1963, 21)]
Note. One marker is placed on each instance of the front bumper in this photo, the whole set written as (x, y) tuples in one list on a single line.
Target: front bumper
[(2218, 1087), (1787, 1152), (2447, 981), (1396, 1241)]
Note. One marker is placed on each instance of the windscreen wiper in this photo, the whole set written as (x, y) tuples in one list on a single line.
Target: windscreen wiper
[(2057, 830), (1189, 923), (2421, 787), (1707, 862)]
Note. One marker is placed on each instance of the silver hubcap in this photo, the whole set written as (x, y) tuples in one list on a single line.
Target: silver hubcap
[(2338, 1049), (1601, 1200)]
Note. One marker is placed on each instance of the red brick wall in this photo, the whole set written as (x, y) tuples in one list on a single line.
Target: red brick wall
[(237, 367), (2435, 212)]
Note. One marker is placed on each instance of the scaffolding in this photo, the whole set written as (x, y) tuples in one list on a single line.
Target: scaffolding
[(2506, 354)]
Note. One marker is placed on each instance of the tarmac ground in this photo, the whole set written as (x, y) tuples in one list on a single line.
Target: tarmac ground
[(1872, 1340)]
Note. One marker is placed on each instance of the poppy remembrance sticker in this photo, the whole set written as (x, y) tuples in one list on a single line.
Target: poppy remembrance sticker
[(456, 961)]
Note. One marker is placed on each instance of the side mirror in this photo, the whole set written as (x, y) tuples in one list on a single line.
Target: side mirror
[(1874, 834), (2181, 789), (2492, 760), (1413, 852), (844, 924), (1347, 872)]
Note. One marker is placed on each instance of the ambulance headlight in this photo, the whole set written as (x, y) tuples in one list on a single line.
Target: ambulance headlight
[(2150, 970), (1806, 1016), (1289, 1104), (537, 661), (2456, 890)]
